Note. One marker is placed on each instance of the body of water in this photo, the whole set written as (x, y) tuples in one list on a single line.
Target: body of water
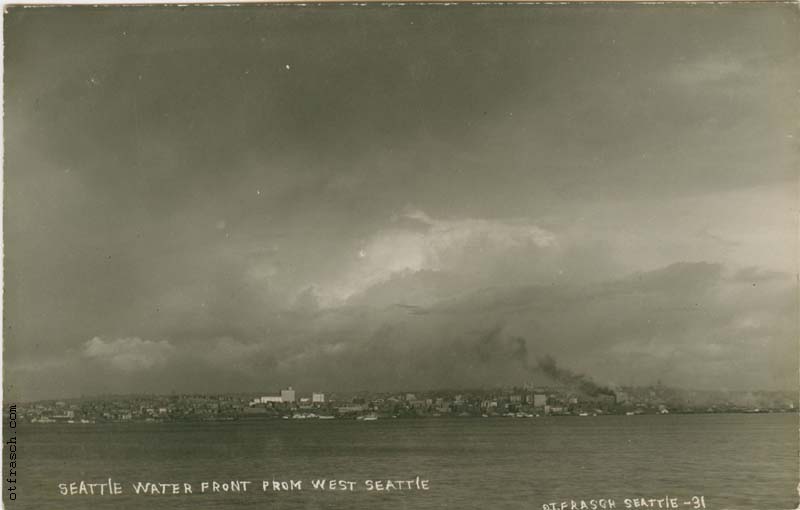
[(733, 461)]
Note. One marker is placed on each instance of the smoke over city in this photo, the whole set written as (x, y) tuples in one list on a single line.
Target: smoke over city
[(515, 348), (548, 365)]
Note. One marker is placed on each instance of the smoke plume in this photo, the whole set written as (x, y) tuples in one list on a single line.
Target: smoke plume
[(548, 365)]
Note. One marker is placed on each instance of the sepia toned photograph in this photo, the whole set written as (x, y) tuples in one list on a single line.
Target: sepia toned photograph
[(401, 256)]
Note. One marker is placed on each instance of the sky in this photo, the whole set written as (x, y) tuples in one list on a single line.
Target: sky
[(238, 199)]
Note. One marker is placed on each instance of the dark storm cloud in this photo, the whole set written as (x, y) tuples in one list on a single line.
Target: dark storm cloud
[(361, 190), (720, 332)]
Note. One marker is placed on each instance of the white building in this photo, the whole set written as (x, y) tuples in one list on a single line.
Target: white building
[(317, 398), (287, 395)]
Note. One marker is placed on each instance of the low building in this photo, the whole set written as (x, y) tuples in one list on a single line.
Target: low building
[(351, 408)]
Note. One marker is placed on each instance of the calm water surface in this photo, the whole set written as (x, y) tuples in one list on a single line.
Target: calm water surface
[(735, 461)]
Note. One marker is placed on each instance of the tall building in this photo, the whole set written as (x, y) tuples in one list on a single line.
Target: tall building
[(539, 400), (317, 398), (287, 395)]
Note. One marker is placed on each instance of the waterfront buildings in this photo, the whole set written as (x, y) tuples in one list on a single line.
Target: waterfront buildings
[(499, 402)]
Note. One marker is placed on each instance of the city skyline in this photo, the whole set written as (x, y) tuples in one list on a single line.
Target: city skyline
[(499, 402), (231, 199)]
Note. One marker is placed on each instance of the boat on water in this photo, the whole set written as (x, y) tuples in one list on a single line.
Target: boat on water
[(325, 417), (368, 417)]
